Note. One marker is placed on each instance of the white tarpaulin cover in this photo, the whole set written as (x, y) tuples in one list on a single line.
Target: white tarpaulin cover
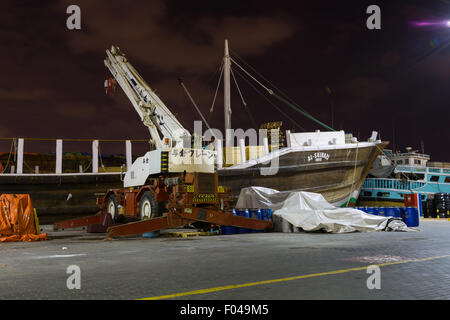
[(311, 212)]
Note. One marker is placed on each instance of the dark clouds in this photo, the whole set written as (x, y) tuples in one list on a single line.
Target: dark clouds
[(394, 77), (143, 34)]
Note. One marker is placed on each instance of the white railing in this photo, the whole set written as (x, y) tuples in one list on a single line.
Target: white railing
[(377, 183), (19, 144)]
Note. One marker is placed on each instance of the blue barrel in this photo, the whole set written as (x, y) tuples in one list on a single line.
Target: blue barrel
[(381, 211), (419, 205), (398, 212), (228, 230), (370, 210), (393, 212), (153, 234), (410, 216), (256, 214), (242, 213), (402, 211), (266, 214)]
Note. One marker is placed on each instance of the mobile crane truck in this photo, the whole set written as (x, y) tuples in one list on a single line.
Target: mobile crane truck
[(173, 185)]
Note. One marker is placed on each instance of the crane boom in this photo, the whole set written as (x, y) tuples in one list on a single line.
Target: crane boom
[(153, 112), (173, 152)]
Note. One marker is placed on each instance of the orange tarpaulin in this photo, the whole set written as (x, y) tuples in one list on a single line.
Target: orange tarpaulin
[(17, 219)]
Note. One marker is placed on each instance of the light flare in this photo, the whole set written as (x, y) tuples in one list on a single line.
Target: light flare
[(445, 23)]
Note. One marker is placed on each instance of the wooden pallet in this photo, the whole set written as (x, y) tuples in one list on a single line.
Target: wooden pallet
[(186, 234)]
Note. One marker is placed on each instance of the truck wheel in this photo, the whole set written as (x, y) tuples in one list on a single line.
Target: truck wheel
[(112, 207), (148, 207)]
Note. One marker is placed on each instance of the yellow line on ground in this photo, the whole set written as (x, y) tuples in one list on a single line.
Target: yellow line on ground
[(311, 275)]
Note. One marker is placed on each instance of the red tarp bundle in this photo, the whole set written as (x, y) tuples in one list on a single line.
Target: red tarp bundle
[(17, 219)]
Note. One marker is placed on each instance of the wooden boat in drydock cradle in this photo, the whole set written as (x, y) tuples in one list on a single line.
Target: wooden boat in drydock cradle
[(337, 171)]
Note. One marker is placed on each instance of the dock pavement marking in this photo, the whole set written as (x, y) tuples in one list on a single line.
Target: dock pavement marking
[(305, 276)]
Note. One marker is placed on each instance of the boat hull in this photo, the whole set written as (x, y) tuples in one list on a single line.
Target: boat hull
[(338, 178), (338, 174)]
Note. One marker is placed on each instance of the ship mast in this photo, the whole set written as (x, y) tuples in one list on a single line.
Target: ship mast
[(226, 88)]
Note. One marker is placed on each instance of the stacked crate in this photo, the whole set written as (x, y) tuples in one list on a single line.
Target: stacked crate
[(274, 126)]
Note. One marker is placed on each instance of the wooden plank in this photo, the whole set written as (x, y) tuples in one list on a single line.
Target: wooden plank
[(186, 234)]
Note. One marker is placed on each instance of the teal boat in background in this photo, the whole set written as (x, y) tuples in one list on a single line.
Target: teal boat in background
[(396, 174)]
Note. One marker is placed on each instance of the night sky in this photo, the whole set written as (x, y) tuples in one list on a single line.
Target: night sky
[(395, 80)]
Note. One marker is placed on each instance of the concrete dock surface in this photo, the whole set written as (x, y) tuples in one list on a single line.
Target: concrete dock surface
[(254, 266)]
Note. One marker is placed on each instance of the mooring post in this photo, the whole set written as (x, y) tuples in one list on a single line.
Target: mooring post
[(58, 167), (242, 149), (219, 151), (95, 156), (288, 138), (266, 145), (20, 156), (128, 154)]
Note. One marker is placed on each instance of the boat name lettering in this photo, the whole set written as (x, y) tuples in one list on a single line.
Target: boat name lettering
[(318, 156)]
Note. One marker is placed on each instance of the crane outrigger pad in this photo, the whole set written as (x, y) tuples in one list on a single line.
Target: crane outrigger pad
[(101, 218), (179, 217), (169, 220)]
